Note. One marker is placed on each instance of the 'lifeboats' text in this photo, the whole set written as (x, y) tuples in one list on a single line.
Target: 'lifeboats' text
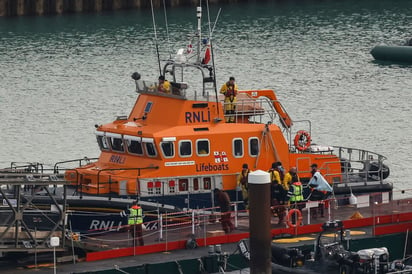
[(209, 167)]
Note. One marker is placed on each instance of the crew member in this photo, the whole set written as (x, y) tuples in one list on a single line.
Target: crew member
[(223, 200), (278, 191), (317, 195), (164, 85), (314, 169), (229, 90), (295, 192), (135, 223), (242, 183), (291, 177)]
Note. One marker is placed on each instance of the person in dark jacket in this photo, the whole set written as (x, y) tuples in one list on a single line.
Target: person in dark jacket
[(317, 195), (223, 200), (313, 169), (242, 183), (278, 191)]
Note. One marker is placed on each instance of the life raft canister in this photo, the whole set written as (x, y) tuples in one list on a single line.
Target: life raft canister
[(302, 140)]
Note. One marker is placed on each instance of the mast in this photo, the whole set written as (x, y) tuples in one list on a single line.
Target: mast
[(199, 31)]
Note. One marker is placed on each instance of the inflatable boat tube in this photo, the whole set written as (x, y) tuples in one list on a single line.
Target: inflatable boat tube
[(393, 53)]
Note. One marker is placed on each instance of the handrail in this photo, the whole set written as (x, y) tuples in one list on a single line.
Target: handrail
[(201, 225), (80, 160), (117, 169), (28, 166)]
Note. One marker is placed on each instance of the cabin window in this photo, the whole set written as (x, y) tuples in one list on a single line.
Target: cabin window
[(102, 142), (168, 149), (115, 141), (253, 146), (202, 147), (185, 148), (148, 107), (150, 149), (117, 144), (238, 148), (183, 185), (207, 183), (150, 188), (195, 184), (135, 147), (172, 186)]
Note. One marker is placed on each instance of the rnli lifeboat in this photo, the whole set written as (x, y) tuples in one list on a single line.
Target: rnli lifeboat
[(175, 147)]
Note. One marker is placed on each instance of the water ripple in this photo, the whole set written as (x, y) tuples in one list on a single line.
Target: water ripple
[(61, 75)]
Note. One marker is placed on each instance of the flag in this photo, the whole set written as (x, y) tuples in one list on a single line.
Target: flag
[(220, 156), (206, 59), (189, 48)]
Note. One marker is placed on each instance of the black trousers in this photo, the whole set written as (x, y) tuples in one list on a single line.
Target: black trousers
[(136, 231)]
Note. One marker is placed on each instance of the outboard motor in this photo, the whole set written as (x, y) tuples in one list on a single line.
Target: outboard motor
[(290, 257), (374, 260)]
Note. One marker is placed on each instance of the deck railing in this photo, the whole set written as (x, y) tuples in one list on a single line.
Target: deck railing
[(204, 226)]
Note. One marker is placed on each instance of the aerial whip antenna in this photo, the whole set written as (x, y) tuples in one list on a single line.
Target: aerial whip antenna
[(214, 25), (167, 29), (211, 49), (155, 33)]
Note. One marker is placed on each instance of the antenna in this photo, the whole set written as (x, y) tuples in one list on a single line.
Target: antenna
[(167, 29), (214, 25), (156, 43), (211, 49)]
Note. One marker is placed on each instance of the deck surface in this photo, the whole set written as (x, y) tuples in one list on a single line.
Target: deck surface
[(117, 248)]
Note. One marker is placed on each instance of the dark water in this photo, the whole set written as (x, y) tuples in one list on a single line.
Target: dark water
[(62, 75)]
